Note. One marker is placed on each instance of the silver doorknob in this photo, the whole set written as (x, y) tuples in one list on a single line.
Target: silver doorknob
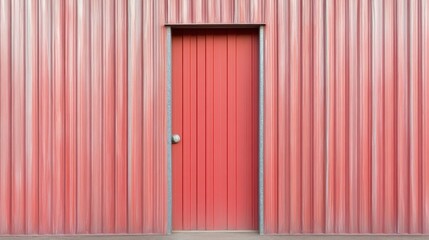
[(175, 138)]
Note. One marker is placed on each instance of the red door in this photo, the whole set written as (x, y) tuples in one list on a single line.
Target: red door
[(215, 112)]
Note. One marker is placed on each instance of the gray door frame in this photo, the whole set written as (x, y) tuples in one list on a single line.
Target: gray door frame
[(169, 28)]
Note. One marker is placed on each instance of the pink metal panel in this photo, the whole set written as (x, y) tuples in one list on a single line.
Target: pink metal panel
[(390, 209), (121, 117), (307, 118), (70, 87), (45, 117), (64, 125), (318, 137), (295, 116), (83, 191), (270, 144), (216, 11), (135, 163), (148, 115), (340, 129), (32, 118), (415, 117), (96, 114), (58, 117), (403, 177), (160, 131), (351, 24), (377, 118), (108, 192), (284, 117), (425, 113), (364, 133), (5, 120), (361, 102), (329, 115), (18, 120)]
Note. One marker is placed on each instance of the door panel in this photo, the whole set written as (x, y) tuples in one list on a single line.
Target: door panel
[(215, 111)]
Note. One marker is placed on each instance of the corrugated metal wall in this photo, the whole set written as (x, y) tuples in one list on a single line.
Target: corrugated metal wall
[(82, 113), (347, 110), (82, 127), (215, 11)]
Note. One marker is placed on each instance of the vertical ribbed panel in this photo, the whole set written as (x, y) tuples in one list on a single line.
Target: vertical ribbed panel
[(81, 84), (216, 11), (352, 116), (70, 76)]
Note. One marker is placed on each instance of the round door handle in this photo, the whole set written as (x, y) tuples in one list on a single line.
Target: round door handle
[(175, 138)]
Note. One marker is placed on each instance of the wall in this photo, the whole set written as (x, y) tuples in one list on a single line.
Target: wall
[(347, 110), (82, 146), (83, 118)]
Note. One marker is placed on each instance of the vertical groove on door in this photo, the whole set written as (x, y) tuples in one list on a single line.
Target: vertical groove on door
[(201, 131), (232, 134), (209, 132), (194, 124), (186, 102), (219, 134)]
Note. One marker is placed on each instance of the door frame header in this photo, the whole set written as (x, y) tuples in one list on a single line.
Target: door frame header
[(214, 25)]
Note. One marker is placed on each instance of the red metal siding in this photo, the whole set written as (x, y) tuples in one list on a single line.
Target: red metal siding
[(215, 11), (346, 113), (215, 107), (346, 116), (64, 90)]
